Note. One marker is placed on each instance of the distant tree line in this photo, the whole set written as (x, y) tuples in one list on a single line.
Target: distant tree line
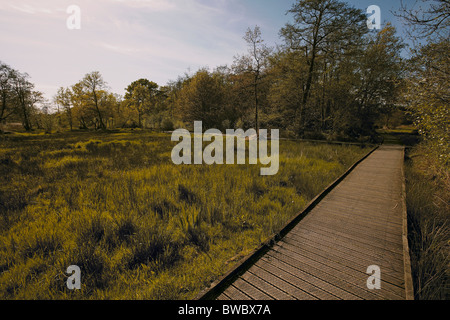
[(331, 78)]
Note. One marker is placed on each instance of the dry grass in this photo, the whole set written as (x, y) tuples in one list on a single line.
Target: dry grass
[(428, 201)]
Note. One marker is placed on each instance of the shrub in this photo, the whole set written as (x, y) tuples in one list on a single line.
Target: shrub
[(167, 125)]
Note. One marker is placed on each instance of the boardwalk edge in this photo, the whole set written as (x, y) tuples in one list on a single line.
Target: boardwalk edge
[(409, 287)]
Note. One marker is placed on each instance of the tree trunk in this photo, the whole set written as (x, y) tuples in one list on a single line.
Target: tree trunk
[(311, 65), (102, 125), (140, 119), (256, 105)]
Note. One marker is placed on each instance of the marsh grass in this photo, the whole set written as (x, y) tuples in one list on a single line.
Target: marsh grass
[(428, 200), (138, 226)]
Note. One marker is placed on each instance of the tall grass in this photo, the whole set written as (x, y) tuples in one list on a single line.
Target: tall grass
[(138, 226), (428, 202)]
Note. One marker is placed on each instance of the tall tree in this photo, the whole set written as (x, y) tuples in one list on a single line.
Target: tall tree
[(63, 98), (89, 96), (288, 76), (202, 98), (141, 96), (255, 63), (428, 96), (91, 86), (6, 92), (26, 96), (317, 24), (378, 77)]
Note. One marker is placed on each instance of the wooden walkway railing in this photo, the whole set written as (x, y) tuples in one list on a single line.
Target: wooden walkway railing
[(353, 232)]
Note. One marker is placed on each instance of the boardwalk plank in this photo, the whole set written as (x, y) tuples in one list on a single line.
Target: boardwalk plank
[(358, 219), (281, 284), (318, 277), (223, 296), (251, 290), (290, 276), (357, 230), (345, 250), (347, 279), (349, 235), (346, 272), (235, 294), (392, 273), (360, 243), (254, 278)]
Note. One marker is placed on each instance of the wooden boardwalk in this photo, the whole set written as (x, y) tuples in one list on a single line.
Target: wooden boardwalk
[(361, 222)]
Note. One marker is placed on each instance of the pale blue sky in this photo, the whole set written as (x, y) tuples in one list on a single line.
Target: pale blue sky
[(130, 39)]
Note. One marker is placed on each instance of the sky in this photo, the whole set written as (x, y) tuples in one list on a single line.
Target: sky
[(126, 40)]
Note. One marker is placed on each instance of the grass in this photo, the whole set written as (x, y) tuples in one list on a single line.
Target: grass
[(428, 202), (138, 226)]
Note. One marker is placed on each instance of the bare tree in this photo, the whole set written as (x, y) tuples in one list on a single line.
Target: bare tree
[(430, 19), (255, 62)]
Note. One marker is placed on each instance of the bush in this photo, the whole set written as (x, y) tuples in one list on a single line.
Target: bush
[(167, 125)]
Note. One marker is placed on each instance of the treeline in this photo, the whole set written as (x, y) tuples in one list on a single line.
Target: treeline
[(331, 77)]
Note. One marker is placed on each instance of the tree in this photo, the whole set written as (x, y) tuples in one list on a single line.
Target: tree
[(45, 118), (6, 92), (89, 96), (63, 98), (26, 98), (321, 27), (433, 21), (18, 97), (427, 96), (288, 76), (90, 88), (141, 96), (255, 63), (378, 77), (202, 98)]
